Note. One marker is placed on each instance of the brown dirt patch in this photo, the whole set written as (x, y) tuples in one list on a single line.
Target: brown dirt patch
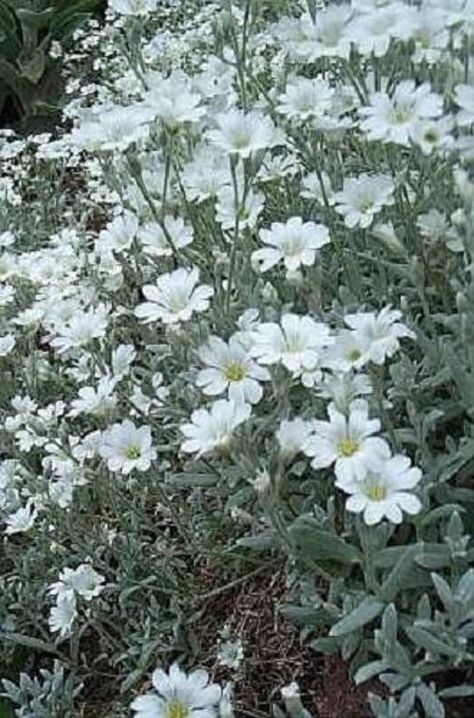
[(274, 656)]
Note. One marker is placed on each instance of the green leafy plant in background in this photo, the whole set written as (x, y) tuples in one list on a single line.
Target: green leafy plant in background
[(29, 75)]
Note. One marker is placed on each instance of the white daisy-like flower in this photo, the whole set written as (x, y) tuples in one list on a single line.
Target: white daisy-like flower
[(171, 99), (95, 400), (119, 234), (292, 436), (363, 197), (122, 359), (248, 211), (379, 333), (179, 695), (126, 447), (343, 387), (175, 297), (347, 352), (465, 100), (305, 98), (434, 135), (81, 329), (241, 133), (385, 491), (155, 242), (133, 7), (21, 520), (7, 343), (297, 343), (394, 118), (230, 368), (83, 580), (212, 429), (295, 243), (372, 32), (347, 442), (63, 615)]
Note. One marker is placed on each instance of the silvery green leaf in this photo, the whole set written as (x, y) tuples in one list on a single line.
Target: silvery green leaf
[(395, 580), (369, 670), (440, 512), (443, 590), (431, 703), (389, 624), (455, 528), (465, 589), (430, 643), (365, 612), (423, 609), (327, 645), (462, 691), (261, 542), (318, 544), (395, 681), (438, 558), (350, 644)]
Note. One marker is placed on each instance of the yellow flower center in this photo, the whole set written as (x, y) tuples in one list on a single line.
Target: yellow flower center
[(402, 114), (431, 136), (348, 447), (235, 372), (354, 354), (133, 452), (366, 205), (376, 492), (176, 709)]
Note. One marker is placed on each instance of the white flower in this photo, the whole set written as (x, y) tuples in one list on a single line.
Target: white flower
[(242, 134), (465, 100), (432, 135), (372, 32), (297, 343), (7, 343), (380, 333), (292, 436), (295, 243), (172, 101), (119, 234), (83, 580), (362, 198), (305, 98), (346, 442), (248, 211), (111, 129), (384, 492), (348, 351), (21, 520), (393, 119), (230, 367), (95, 400), (343, 387), (126, 448), (331, 34), (133, 7), (179, 695), (212, 429), (175, 297), (81, 329), (122, 358), (231, 654), (154, 239), (63, 615)]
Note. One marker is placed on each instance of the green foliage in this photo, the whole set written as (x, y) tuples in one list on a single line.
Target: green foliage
[(29, 76)]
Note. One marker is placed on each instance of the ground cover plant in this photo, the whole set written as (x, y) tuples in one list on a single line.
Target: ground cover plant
[(237, 357)]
